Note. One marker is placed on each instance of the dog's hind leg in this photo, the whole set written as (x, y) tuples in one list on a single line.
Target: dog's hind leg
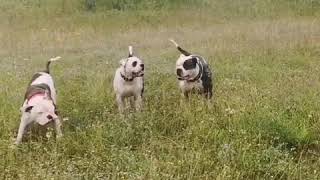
[(208, 94)]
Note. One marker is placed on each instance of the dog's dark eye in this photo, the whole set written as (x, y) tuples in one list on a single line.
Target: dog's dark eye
[(134, 63), (49, 117), (190, 64)]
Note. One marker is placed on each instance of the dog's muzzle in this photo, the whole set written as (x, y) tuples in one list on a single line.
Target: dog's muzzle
[(179, 72), (139, 73), (180, 75), (183, 78)]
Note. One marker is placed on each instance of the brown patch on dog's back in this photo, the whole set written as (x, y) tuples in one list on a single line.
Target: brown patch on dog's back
[(37, 88)]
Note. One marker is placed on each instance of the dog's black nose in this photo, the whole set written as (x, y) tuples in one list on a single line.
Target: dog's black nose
[(142, 66), (49, 117), (179, 72)]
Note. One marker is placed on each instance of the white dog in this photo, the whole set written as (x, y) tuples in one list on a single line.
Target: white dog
[(193, 73), (128, 81), (40, 103)]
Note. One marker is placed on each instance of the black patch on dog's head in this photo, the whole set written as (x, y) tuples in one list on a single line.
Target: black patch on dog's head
[(190, 63), (134, 64), (28, 109)]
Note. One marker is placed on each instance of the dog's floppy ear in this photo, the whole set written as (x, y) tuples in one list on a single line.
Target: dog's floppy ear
[(122, 62), (28, 109)]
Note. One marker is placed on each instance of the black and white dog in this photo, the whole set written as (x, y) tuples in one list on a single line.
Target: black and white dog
[(128, 81), (40, 103), (193, 73)]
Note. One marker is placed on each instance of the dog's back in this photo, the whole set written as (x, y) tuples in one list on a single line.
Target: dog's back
[(42, 82)]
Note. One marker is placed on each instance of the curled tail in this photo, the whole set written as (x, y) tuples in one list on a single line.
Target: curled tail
[(184, 52), (49, 62), (130, 51)]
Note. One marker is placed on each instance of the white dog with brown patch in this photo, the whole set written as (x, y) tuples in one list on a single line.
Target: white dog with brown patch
[(129, 82), (40, 103)]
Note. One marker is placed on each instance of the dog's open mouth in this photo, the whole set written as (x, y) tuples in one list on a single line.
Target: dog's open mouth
[(183, 77), (138, 74)]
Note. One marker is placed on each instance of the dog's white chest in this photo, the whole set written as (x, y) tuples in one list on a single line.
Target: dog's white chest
[(130, 89), (188, 86)]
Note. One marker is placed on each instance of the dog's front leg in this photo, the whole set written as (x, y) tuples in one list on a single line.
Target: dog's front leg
[(132, 102), (120, 101), (186, 94), (25, 121), (57, 125), (206, 95), (138, 102)]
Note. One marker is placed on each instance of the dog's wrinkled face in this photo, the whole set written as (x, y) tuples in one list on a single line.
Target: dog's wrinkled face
[(186, 67), (133, 66), (43, 112)]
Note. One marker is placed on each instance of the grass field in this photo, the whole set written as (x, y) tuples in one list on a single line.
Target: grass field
[(263, 123)]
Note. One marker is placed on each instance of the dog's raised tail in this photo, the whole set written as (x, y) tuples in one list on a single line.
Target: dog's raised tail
[(130, 51), (49, 62), (184, 52)]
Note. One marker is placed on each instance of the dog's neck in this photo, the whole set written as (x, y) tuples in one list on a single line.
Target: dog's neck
[(126, 78), (125, 75)]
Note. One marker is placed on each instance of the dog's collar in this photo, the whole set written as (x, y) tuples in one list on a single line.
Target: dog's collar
[(125, 78), (36, 94), (129, 79)]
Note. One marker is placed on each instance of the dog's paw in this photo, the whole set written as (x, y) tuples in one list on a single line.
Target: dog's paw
[(14, 145)]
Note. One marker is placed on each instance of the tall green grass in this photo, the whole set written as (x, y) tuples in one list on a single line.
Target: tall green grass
[(263, 122)]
